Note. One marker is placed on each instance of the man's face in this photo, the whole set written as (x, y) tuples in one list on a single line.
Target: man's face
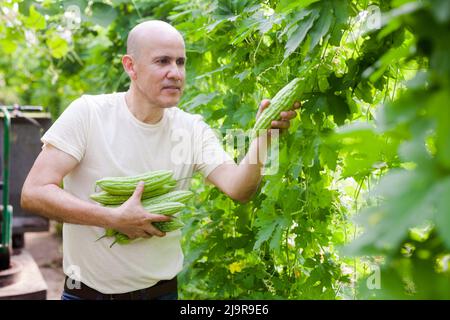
[(160, 71)]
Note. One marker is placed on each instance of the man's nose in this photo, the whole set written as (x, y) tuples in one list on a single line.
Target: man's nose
[(175, 72)]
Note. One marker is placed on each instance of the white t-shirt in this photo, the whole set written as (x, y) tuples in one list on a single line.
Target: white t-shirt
[(107, 140)]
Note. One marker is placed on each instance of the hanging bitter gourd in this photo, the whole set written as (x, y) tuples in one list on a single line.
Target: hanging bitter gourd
[(283, 101)]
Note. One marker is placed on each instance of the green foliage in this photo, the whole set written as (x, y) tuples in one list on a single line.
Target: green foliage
[(417, 192)]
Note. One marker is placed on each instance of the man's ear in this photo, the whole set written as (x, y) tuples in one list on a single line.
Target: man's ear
[(129, 66)]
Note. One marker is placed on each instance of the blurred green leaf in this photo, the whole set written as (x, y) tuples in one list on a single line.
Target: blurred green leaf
[(321, 26), (442, 215), (35, 20), (103, 14), (298, 35), (57, 45), (7, 46)]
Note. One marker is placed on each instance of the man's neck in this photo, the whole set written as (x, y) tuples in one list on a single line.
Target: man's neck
[(141, 109)]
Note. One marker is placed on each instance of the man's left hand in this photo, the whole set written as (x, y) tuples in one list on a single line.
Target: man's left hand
[(283, 122)]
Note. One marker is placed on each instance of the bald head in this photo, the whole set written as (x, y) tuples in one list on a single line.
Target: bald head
[(148, 33), (155, 63)]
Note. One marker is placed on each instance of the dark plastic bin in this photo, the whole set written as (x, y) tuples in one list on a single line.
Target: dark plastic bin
[(25, 147)]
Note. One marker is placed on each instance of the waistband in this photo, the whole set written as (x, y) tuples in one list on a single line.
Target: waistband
[(150, 293)]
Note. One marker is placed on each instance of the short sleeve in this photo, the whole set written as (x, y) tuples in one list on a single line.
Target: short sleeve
[(70, 131), (208, 150)]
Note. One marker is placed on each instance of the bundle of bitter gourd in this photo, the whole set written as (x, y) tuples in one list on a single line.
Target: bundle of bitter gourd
[(157, 198)]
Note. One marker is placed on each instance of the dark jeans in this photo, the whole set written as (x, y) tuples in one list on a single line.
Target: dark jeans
[(167, 296)]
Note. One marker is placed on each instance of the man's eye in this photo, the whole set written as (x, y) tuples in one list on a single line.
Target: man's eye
[(180, 62), (163, 61)]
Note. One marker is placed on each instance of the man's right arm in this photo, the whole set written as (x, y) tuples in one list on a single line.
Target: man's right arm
[(41, 193)]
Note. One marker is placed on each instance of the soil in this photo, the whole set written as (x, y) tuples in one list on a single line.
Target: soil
[(46, 249)]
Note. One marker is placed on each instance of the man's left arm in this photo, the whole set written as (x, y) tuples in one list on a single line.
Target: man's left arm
[(241, 181)]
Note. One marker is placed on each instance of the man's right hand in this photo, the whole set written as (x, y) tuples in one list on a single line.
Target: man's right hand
[(132, 220)]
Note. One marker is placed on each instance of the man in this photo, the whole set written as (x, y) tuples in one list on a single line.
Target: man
[(125, 134)]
